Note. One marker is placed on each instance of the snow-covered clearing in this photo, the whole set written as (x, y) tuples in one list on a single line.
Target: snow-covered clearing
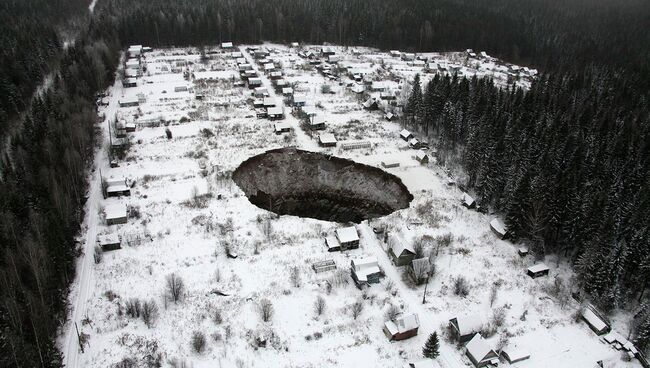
[(187, 211)]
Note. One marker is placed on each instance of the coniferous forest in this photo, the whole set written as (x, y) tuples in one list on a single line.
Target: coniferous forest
[(567, 163)]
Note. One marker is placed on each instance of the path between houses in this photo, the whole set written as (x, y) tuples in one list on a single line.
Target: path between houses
[(449, 356), (302, 139), (82, 287)]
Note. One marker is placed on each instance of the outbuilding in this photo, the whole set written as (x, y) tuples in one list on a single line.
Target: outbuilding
[(595, 320), (405, 135), (316, 122), (129, 102), (464, 328), (499, 228), (254, 82), (365, 271), (402, 328), (400, 251), (130, 82), (422, 157), (282, 127), (299, 100), (370, 104), (287, 91), (327, 140), (537, 270), (109, 241), (275, 113), (480, 353), (227, 45), (468, 201), (513, 354), (115, 214), (117, 187)]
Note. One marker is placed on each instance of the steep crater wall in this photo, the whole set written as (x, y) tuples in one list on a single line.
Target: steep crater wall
[(290, 181)]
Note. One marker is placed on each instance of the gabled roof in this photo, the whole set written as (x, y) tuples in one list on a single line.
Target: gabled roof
[(347, 234), (498, 226), (478, 348), (116, 210), (420, 155), (327, 138), (364, 267), (593, 319), (112, 238), (540, 267), (276, 110), (399, 245), (467, 199), (469, 324), (283, 125), (403, 324)]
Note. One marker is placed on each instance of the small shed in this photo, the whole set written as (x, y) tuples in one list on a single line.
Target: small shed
[(115, 214), (282, 127), (327, 140), (370, 104), (317, 122), (468, 201), (275, 113), (130, 82), (348, 237), (405, 135), (109, 241), (226, 45), (275, 75), (357, 88), (389, 116), (464, 328), (129, 102), (595, 320), (269, 102), (365, 271), (299, 100), (513, 354), (400, 251), (402, 328), (287, 91), (348, 145), (387, 164), (422, 157), (479, 352), (254, 82), (499, 228), (537, 270), (117, 187), (414, 143)]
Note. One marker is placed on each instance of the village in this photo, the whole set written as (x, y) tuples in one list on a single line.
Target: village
[(189, 271)]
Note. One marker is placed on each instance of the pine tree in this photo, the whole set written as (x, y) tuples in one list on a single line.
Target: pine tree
[(431, 347), (414, 106)]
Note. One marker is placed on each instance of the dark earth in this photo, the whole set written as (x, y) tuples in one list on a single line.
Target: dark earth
[(289, 181)]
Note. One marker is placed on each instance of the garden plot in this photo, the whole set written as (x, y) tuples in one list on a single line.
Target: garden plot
[(235, 259)]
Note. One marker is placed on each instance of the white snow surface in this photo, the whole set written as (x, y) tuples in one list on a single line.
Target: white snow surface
[(211, 137)]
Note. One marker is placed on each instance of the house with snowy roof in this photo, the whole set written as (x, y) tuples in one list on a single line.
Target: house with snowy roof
[(400, 251), (465, 327), (402, 327), (365, 271), (480, 353)]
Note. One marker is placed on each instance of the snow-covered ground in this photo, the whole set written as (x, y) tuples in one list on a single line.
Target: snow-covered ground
[(210, 138)]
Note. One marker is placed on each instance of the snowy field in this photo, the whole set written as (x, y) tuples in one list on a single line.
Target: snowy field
[(188, 214)]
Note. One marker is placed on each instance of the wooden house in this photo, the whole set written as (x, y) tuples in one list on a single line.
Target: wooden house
[(117, 187), (422, 157), (282, 127), (115, 214), (467, 201), (327, 140), (414, 143), (499, 228), (299, 100), (109, 241), (287, 91), (514, 354), (365, 271), (275, 113), (348, 237), (480, 352), (595, 320), (400, 251), (405, 135), (130, 82), (537, 270), (316, 122), (227, 45), (129, 102), (402, 328), (464, 328), (254, 82), (370, 104)]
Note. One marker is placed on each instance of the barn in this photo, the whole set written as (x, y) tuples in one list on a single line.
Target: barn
[(402, 328)]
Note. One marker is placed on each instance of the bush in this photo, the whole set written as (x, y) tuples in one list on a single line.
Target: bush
[(98, 254), (133, 308), (461, 287), (216, 316), (319, 305), (175, 287), (266, 310), (206, 133), (294, 276), (357, 308), (168, 133), (198, 342), (149, 313), (392, 313)]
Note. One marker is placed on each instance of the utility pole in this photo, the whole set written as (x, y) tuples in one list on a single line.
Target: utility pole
[(424, 296), (79, 337)]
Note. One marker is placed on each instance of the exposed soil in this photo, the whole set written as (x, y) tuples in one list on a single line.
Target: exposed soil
[(289, 181)]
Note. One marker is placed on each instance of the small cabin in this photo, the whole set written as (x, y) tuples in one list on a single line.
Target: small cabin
[(135, 50), (269, 102), (115, 214), (480, 352), (395, 53), (468, 201), (389, 116), (254, 82), (365, 271), (109, 242), (514, 354), (129, 102), (537, 270), (405, 135), (275, 113), (422, 157), (370, 104), (117, 187), (299, 100), (282, 127), (414, 143), (227, 45), (389, 164), (499, 228), (464, 328), (287, 91), (327, 140), (402, 328), (400, 251), (595, 320), (317, 123), (130, 83)]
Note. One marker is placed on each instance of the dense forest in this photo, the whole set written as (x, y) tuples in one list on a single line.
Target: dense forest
[(566, 163)]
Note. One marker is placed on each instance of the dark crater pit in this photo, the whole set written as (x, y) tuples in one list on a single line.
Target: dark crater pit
[(289, 181)]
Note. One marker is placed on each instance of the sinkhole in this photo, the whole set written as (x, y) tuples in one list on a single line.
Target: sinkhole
[(289, 181)]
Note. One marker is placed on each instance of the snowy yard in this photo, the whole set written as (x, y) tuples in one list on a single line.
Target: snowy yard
[(190, 216)]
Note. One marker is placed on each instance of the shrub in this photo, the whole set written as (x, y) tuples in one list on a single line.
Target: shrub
[(198, 342), (98, 254), (357, 308), (461, 287), (294, 276), (319, 305), (266, 310), (133, 308), (149, 313), (175, 287), (168, 133), (392, 313), (216, 316)]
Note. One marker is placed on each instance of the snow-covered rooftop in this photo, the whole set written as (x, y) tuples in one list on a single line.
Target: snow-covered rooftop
[(347, 234), (478, 348)]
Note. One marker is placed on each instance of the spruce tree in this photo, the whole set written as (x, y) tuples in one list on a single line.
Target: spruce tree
[(431, 347)]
